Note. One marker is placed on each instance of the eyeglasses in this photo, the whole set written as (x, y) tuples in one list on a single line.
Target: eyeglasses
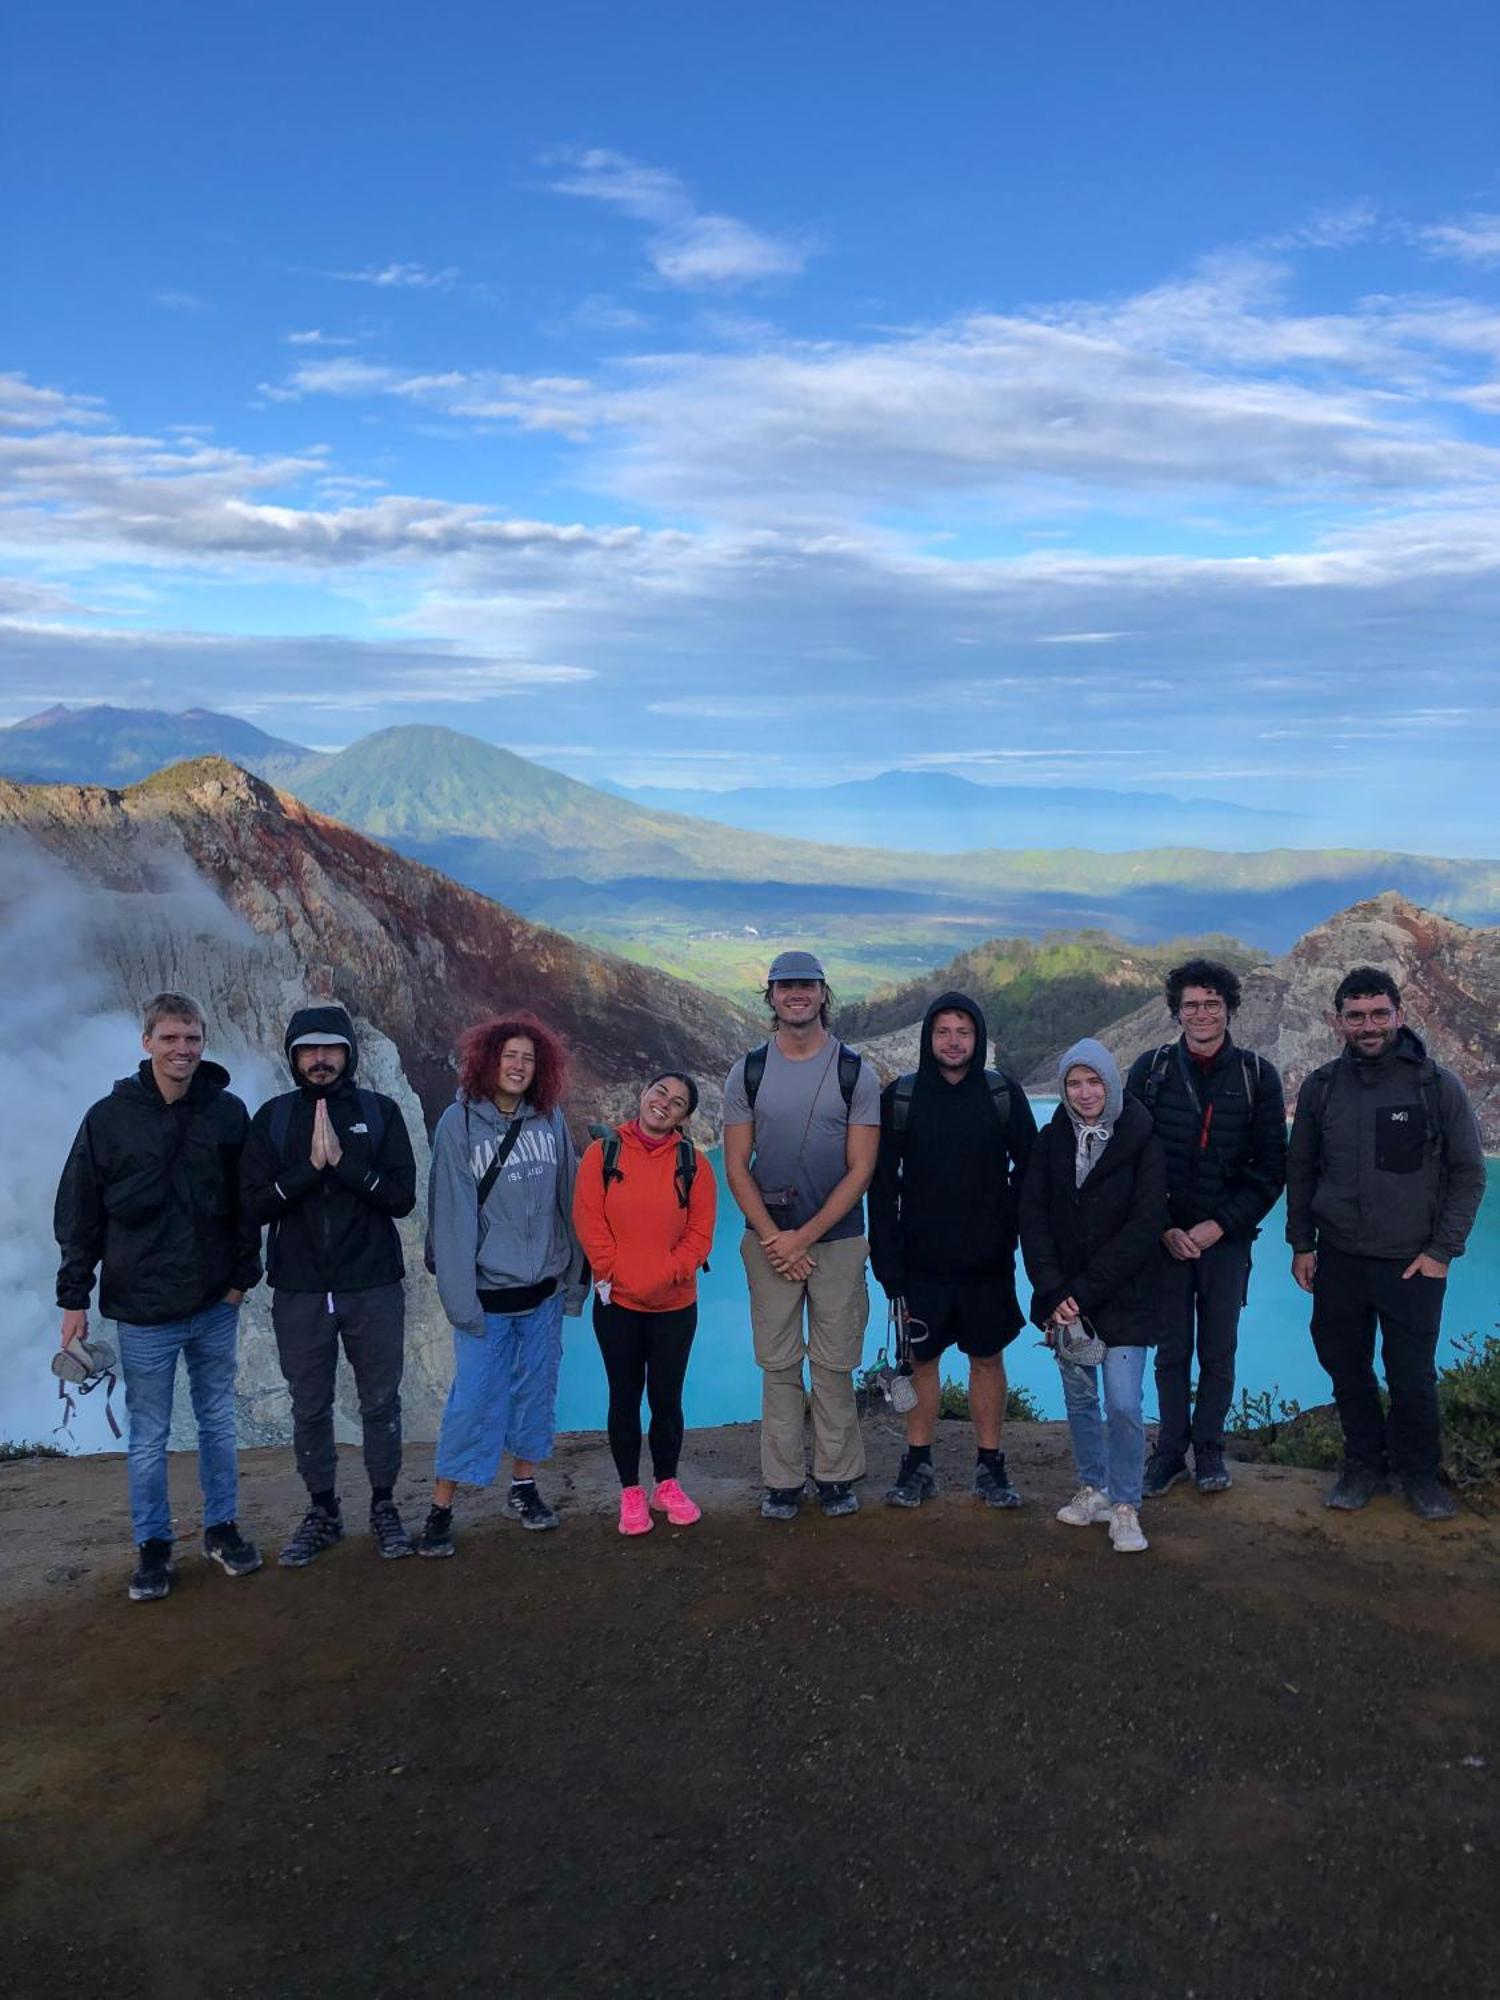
[(1201, 1007), (1372, 1017)]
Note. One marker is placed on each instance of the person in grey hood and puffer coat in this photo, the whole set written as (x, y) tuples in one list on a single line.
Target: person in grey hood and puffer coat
[(329, 1167), (508, 1264), (1093, 1212)]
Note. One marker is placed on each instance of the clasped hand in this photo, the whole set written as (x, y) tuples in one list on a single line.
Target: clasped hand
[(786, 1253), (326, 1148)]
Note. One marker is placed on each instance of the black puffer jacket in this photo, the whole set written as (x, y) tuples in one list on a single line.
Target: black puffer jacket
[(151, 1191), (1226, 1160), (332, 1228), (1100, 1243)]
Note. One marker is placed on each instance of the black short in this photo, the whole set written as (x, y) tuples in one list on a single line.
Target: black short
[(979, 1316)]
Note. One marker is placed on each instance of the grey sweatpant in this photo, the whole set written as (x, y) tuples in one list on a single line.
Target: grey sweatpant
[(371, 1325)]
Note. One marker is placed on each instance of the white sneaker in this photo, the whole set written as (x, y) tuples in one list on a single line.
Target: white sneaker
[(1125, 1530), (1087, 1506)]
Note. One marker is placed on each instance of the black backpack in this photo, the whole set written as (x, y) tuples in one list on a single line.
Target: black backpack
[(687, 1161), (849, 1062), (898, 1104), (1151, 1088)]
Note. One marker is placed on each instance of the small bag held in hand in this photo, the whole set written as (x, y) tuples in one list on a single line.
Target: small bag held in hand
[(903, 1391), (1077, 1343), (83, 1365)]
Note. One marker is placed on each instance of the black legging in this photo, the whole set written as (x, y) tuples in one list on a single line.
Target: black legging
[(644, 1351)]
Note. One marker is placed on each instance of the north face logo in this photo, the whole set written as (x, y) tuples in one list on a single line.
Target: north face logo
[(1397, 1118), (365, 1128)]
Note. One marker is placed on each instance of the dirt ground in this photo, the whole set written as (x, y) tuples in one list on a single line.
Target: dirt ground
[(955, 1751)]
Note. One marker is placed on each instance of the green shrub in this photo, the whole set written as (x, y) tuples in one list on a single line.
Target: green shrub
[(12, 1449), (1020, 1404)]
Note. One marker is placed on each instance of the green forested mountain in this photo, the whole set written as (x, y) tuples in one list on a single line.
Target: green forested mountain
[(101, 745)]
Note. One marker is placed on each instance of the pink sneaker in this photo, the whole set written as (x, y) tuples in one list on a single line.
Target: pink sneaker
[(635, 1515), (669, 1499)]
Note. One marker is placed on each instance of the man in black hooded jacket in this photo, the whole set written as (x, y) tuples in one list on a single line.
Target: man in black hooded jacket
[(329, 1166), (954, 1142)]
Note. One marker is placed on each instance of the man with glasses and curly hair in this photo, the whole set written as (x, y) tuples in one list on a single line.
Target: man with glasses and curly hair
[(1220, 1114), (1385, 1174)]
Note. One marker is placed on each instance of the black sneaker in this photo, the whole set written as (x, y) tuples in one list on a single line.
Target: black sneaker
[(436, 1538), (915, 1482), (1427, 1499), (528, 1506), (1355, 1487), (319, 1530), (837, 1496), (154, 1571), (781, 1503), (992, 1484), (227, 1547), (391, 1539), (1163, 1470), (1210, 1473)]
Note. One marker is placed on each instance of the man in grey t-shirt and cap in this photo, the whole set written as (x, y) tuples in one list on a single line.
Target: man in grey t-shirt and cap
[(801, 1131)]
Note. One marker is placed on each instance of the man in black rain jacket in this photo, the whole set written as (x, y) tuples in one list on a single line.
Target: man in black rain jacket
[(329, 1166), (1385, 1174), (1220, 1114), (954, 1142), (150, 1191)]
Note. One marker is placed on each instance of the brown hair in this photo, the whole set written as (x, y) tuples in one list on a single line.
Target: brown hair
[(177, 1006)]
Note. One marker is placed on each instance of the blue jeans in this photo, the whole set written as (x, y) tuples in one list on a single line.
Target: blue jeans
[(148, 1360), (1112, 1456), (504, 1394)]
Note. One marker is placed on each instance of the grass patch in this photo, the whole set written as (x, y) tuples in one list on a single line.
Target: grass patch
[(1020, 1404), (14, 1449)]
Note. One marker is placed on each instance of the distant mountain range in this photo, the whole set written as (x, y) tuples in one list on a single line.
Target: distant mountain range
[(120, 746), (714, 902), (936, 813)]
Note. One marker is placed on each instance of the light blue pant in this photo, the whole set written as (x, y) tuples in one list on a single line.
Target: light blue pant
[(504, 1394), (1109, 1455), (148, 1360)]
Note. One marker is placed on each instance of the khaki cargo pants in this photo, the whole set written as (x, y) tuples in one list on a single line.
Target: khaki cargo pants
[(837, 1306)]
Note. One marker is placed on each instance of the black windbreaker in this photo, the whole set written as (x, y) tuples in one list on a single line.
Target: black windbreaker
[(332, 1228), (151, 1191), (1226, 1159)]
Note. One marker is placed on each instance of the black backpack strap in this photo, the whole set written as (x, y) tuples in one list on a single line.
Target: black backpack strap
[(999, 1089), (687, 1167), (491, 1173), (281, 1123), (1151, 1089), (898, 1105), (849, 1062), (755, 1069), (372, 1114)]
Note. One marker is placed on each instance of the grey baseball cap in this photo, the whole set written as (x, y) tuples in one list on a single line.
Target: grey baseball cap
[(794, 965)]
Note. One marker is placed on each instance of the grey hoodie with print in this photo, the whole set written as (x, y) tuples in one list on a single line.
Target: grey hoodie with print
[(526, 1233)]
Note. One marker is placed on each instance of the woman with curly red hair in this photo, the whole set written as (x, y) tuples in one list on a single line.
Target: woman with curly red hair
[(507, 1262)]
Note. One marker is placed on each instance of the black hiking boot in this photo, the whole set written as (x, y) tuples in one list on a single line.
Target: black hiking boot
[(781, 1503), (436, 1538), (1163, 1470), (1355, 1487), (528, 1506), (1210, 1473), (992, 1484), (837, 1496), (153, 1572), (226, 1546), (391, 1538), (318, 1530), (915, 1482), (1427, 1499)]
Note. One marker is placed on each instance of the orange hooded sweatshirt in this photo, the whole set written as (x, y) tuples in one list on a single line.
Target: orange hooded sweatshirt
[(636, 1233)]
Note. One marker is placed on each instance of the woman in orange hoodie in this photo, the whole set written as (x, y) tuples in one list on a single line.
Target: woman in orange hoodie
[(643, 1206)]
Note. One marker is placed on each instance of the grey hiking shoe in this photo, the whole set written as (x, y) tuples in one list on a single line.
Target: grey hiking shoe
[(992, 1484), (1428, 1499), (1163, 1470), (837, 1496), (153, 1571), (1355, 1487), (436, 1538), (528, 1506), (391, 1538), (1210, 1473), (781, 1503), (225, 1545), (317, 1530), (915, 1482)]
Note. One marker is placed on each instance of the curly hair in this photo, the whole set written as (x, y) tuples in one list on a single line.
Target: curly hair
[(479, 1059), (1207, 972), (1366, 982)]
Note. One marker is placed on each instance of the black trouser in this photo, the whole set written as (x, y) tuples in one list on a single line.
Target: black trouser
[(1350, 1294), (371, 1325), (645, 1351), (1200, 1305)]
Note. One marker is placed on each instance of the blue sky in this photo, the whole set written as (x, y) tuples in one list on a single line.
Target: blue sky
[(696, 395)]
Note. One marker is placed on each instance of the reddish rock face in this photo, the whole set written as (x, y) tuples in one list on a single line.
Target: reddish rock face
[(402, 946), (1448, 973)]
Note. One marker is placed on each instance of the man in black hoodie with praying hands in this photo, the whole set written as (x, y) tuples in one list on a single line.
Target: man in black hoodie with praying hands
[(329, 1166), (954, 1141)]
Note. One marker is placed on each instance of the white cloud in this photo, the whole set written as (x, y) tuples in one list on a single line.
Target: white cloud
[(314, 336), (690, 248), (182, 302), (401, 277), (1471, 239)]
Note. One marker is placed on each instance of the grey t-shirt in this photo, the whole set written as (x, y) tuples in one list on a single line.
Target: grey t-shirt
[(789, 1092)]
